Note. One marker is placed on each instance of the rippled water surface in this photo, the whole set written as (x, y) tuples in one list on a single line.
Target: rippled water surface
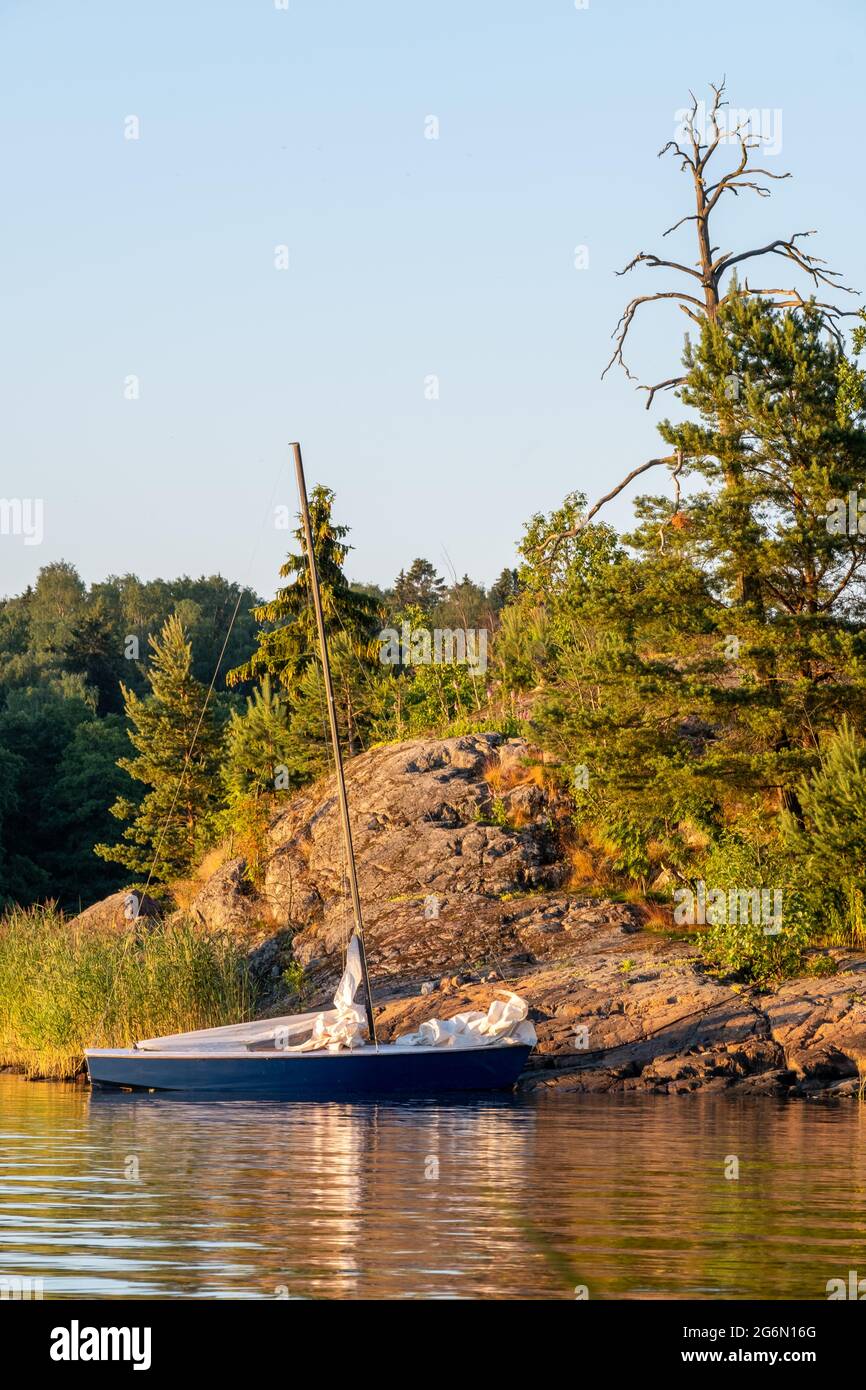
[(136, 1196)]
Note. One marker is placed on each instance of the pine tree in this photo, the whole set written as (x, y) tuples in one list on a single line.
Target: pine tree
[(831, 840), (464, 605), (503, 589), (287, 640), (680, 703), (778, 410), (363, 692), (177, 744), (827, 841), (421, 587), (260, 746)]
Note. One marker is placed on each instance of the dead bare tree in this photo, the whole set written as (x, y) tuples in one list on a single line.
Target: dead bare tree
[(705, 291), (712, 277)]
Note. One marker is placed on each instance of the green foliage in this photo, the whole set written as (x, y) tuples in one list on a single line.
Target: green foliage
[(525, 650), (259, 745), (744, 949), (294, 979), (694, 671), (57, 773), (362, 693), (691, 664), (830, 834), (259, 761), (741, 945), (64, 989), (77, 815), (828, 837), (76, 687), (287, 642), (436, 695), (64, 651), (246, 820), (504, 589), (176, 740), (420, 587)]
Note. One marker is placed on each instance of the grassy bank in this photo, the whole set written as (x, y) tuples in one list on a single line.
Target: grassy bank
[(63, 989)]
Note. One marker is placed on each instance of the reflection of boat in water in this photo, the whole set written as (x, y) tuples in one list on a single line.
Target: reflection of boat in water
[(387, 1189), (325, 1055)]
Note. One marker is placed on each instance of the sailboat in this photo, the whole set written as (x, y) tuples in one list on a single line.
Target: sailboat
[(333, 1054)]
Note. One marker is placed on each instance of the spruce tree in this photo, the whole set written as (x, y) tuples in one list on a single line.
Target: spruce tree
[(177, 743), (831, 840), (421, 587), (287, 640), (363, 695), (503, 590), (259, 745)]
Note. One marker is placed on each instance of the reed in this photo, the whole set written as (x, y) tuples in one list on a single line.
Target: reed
[(63, 988)]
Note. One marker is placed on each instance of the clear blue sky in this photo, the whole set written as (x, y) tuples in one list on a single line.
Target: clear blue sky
[(408, 257)]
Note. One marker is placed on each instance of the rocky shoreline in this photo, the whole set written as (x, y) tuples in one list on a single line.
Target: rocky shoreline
[(465, 893)]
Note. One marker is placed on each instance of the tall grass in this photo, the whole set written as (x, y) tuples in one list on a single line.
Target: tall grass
[(845, 916), (64, 988)]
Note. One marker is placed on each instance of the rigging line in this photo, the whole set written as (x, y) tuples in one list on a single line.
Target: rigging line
[(242, 589), (210, 690)]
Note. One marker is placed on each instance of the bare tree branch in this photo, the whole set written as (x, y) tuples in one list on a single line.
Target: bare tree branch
[(695, 151), (812, 265), (856, 562), (648, 258), (730, 179), (553, 542), (690, 217), (621, 330), (661, 386)]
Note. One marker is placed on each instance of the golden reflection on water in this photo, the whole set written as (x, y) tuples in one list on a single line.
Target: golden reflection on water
[(139, 1196)]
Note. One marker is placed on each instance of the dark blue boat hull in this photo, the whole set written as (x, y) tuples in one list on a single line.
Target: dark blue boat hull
[(390, 1071)]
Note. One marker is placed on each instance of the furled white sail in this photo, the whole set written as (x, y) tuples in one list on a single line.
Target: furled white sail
[(506, 1020), (343, 1026)]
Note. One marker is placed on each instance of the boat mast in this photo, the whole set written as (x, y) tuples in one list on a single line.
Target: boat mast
[(335, 735)]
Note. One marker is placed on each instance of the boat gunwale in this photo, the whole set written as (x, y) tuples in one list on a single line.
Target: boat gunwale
[(367, 1051)]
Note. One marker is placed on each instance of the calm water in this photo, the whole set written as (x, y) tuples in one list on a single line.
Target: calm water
[(136, 1196)]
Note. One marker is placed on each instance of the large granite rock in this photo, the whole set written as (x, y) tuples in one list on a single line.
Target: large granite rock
[(228, 902), (123, 911), (427, 851)]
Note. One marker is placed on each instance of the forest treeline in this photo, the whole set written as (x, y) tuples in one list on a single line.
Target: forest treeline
[(85, 670)]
